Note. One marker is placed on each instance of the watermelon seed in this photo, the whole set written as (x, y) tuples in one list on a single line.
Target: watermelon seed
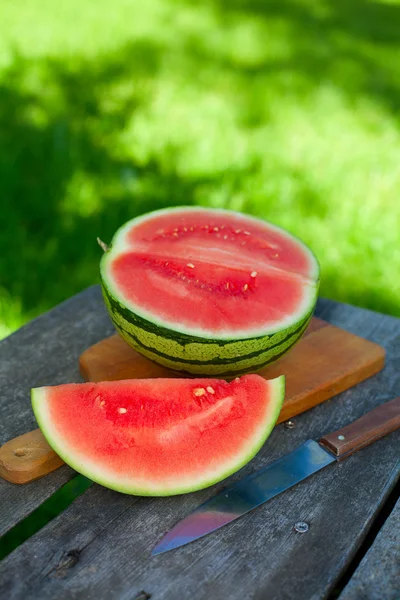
[(245, 287), (216, 229), (227, 285), (246, 232), (253, 274), (190, 265), (199, 391), (237, 379), (210, 390), (175, 234), (98, 399), (238, 230), (225, 237), (185, 229), (122, 411)]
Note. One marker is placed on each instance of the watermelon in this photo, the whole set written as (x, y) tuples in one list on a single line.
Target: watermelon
[(158, 437), (209, 292)]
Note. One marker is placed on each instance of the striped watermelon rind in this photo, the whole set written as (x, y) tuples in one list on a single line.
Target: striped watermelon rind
[(197, 351)]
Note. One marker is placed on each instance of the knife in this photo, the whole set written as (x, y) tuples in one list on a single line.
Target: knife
[(282, 474)]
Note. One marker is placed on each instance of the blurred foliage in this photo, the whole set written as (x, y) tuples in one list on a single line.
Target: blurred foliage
[(288, 110)]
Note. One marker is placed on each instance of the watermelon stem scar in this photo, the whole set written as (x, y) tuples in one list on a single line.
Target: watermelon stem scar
[(208, 291), (102, 245)]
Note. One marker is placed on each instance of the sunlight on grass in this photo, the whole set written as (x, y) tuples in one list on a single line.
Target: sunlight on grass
[(11, 313), (289, 111)]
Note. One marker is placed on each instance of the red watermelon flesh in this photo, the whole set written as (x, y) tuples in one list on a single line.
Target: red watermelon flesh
[(212, 272), (159, 437)]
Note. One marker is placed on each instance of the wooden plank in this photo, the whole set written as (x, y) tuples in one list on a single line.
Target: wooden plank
[(378, 574), (99, 548), (43, 352)]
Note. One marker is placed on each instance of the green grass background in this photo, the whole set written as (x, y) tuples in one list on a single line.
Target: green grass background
[(288, 110)]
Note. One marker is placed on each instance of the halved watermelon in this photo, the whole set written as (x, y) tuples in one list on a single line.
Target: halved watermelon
[(208, 291), (159, 437)]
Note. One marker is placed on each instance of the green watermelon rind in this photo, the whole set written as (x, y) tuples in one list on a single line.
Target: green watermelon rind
[(182, 349), (268, 348), (276, 392)]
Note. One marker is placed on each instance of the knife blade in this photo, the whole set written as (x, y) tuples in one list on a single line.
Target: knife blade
[(282, 474)]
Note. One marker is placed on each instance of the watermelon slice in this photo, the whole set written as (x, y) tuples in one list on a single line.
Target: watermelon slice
[(159, 437), (208, 291)]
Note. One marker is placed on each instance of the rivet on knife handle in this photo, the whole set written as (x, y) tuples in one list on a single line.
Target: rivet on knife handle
[(27, 457), (371, 427)]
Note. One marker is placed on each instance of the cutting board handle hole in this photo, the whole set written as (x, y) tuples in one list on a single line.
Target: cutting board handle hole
[(20, 452)]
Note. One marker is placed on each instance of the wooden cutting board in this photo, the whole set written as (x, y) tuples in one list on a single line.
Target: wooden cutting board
[(327, 360)]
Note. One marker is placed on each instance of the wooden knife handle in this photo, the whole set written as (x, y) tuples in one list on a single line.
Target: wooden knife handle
[(27, 457), (371, 427)]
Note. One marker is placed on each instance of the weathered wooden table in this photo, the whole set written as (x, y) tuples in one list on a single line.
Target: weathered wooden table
[(100, 546)]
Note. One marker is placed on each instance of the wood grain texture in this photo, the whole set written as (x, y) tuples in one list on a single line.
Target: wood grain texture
[(27, 457), (100, 546), (44, 352), (378, 575), (326, 361), (371, 427)]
